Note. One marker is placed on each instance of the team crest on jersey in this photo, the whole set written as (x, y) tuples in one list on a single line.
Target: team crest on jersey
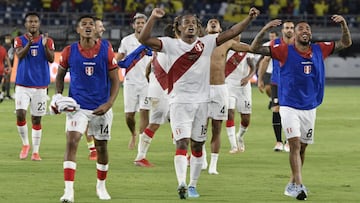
[(199, 46), (307, 69), (89, 70), (34, 52)]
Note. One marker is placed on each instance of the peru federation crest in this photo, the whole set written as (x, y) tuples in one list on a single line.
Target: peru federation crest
[(34, 52), (307, 69), (89, 70)]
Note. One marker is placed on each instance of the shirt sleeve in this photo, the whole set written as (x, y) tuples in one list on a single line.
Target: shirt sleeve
[(111, 58), (122, 48), (64, 58), (327, 48), (17, 42), (50, 43), (279, 52)]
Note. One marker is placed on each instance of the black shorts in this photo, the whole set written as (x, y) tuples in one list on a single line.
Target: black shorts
[(274, 95)]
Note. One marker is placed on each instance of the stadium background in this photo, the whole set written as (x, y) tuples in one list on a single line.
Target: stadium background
[(58, 18)]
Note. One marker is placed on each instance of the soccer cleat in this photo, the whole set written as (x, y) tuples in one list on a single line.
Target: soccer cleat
[(278, 147), (35, 157), (241, 144), (301, 192), (182, 189), (192, 192), (286, 147), (234, 150), (143, 163), (213, 172), (290, 190), (24, 151), (68, 196), (102, 193), (93, 155)]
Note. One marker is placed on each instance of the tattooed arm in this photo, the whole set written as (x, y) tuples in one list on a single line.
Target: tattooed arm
[(345, 40), (256, 45)]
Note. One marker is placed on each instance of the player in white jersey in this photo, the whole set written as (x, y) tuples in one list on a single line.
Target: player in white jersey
[(135, 82), (240, 68), (189, 75), (157, 93)]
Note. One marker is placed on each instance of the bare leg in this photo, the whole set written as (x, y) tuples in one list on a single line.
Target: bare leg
[(130, 121)]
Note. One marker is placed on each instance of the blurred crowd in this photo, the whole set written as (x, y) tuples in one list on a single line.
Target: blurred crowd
[(231, 10)]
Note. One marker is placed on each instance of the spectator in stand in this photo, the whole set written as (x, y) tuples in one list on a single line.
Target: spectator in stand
[(274, 9)]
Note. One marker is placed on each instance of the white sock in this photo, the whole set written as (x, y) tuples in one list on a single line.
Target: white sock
[(36, 139), (180, 163), (143, 146), (69, 185), (195, 169), (231, 135), (242, 130), (23, 132), (213, 162), (204, 166), (100, 184)]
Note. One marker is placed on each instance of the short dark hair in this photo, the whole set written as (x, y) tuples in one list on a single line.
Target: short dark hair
[(82, 17), (31, 14), (273, 31)]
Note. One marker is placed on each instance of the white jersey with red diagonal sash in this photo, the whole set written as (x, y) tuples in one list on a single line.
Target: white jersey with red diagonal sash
[(238, 65), (189, 68), (158, 80), (137, 73)]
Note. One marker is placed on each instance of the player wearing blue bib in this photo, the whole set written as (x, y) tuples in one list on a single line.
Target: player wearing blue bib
[(34, 51), (94, 85), (301, 89)]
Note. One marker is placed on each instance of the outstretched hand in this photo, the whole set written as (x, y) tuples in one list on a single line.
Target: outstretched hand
[(44, 38), (253, 13), (338, 19), (30, 37), (158, 12), (273, 23)]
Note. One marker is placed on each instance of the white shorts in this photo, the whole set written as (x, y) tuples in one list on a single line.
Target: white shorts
[(189, 120), (240, 98), (135, 98), (159, 111), (298, 123), (35, 97), (219, 102), (98, 126)]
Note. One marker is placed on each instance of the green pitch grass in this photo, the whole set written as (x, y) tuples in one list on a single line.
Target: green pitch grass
[(331, 171)]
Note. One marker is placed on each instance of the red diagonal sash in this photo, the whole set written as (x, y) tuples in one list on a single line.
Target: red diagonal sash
[(233, 62), (159, 73), (142, 54), (184, 63)]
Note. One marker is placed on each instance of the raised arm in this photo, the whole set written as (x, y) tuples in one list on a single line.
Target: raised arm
[(237, 28), (345, 40), (256, 45), (145, 35), (240, 47), (22, 51), (49, 52)]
